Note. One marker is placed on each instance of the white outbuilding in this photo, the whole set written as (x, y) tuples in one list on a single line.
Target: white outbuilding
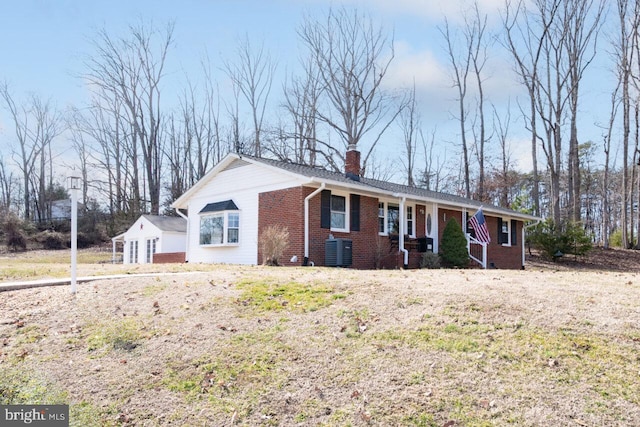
[(152, 236)]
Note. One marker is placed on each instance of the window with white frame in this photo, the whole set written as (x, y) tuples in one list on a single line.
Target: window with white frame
[(220, 224), (133, 252), (409, 230), (233, 227), (381, 218), (504, 232), (151, 249), (338, 212), (393, 218), (388, 218)]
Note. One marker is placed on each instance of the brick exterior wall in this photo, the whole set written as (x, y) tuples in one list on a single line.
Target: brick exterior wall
[(365, 245), (169, 258), (369, 250), (498, 255), (284, 208)]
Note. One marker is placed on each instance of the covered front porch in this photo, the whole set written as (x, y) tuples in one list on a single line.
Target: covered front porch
[(392, 257)]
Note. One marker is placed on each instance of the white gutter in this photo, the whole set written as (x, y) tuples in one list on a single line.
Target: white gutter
[(186, 254), (401, 233), (523, 230), (306, 221)]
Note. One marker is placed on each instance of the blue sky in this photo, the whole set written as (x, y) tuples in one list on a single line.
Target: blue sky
[(43, 45)]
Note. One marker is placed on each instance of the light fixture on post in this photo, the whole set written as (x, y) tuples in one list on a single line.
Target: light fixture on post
[(74, 187)]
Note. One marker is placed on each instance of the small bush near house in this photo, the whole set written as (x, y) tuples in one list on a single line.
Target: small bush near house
[(453, 247), (51, 240), (15, 237), (430, 260), (273, 241), (569, 238)]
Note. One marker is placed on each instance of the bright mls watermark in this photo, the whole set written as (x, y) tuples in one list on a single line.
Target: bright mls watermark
[(34, 415)]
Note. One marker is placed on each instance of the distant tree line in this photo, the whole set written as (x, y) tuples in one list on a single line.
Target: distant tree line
[(136, 155)]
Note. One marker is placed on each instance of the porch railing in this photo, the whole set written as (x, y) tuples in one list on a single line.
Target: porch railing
[(477, 251)]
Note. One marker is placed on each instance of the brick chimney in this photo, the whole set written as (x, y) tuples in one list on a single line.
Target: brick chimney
[(352, 163)]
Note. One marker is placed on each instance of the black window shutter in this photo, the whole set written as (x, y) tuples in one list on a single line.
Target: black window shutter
[(500, 240), (355, 212), (325, 209), (514, 232)]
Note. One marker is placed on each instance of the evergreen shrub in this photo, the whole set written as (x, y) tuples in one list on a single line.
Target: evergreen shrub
[(453, 247)]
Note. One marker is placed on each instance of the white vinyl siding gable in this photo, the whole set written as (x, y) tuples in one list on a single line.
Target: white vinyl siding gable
[(243, 185)]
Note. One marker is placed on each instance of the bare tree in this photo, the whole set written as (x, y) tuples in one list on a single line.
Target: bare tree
[(36, 124), (352, 56), (460, 67), (433, 176), (409, 122), (48, 125), (502, 125), (525, 39), (553, 43), (9, 187), (252, 76), (582, 18), (28, 150), (477, 44), (301, 103), (131, 70), (606, 224)]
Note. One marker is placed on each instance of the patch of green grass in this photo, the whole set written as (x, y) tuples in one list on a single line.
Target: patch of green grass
[(416, 378), (85, 414), (420, 420), (29, 334), (20, 386), (122, 334), (265, 295), (234, 375), (152, 290)]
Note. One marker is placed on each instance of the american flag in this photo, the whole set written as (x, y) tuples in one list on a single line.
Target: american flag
[(480, 226)]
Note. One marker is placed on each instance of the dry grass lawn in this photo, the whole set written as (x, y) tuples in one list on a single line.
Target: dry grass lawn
[(255, 346)]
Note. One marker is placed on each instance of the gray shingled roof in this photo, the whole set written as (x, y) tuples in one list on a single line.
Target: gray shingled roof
[(168, 223), (226, 205), (374, 185)]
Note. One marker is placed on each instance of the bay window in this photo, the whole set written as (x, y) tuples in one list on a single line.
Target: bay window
[(220, 224)]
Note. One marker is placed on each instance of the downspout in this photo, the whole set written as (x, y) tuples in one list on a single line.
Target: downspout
[(186, 255), (523, 234), (306, 222), (401, 233)]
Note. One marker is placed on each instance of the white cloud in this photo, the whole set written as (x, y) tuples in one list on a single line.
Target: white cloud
[(421, 67), (432, 82), (520, 153)]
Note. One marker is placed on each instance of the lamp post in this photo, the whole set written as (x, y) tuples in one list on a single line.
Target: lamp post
[(74, 187)]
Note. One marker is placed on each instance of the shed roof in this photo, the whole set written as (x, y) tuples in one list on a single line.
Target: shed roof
[(168, 223)]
